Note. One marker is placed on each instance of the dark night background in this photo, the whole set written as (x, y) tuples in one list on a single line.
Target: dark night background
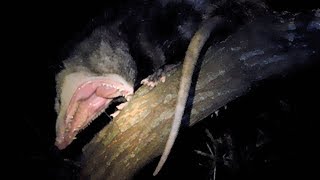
[(272, 129)]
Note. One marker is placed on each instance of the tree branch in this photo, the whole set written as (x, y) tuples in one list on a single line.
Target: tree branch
[(263, 48)]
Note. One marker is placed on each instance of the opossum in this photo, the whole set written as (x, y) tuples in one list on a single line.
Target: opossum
[(113, 60), (116, 56)]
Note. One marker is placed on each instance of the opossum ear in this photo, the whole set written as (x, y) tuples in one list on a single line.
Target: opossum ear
[(83, 97)]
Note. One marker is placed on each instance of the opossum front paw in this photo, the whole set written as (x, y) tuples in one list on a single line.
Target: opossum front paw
[(159, 76)]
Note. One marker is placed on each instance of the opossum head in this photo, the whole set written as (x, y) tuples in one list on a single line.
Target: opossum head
[(96, 74), (83, 98)]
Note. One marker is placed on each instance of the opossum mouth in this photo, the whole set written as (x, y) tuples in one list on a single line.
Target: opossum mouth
[(88, 101)]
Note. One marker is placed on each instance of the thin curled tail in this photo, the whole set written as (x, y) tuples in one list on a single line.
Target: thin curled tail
[(192, 55)]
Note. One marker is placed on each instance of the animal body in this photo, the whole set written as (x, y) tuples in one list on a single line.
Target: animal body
[(117, 55)]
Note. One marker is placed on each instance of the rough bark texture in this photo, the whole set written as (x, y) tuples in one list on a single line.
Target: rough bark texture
[(138, 134)]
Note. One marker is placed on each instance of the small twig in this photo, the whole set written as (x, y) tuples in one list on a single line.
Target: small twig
[(209, 135), (210, 149), (204, 154), (214, 172)]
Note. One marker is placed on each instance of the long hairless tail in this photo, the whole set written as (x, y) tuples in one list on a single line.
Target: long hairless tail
[(190, 61)]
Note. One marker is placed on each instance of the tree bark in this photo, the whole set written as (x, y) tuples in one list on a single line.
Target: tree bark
[(274, 45)]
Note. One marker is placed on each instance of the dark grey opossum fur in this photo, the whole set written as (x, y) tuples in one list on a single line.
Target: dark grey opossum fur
[(158, 32)]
